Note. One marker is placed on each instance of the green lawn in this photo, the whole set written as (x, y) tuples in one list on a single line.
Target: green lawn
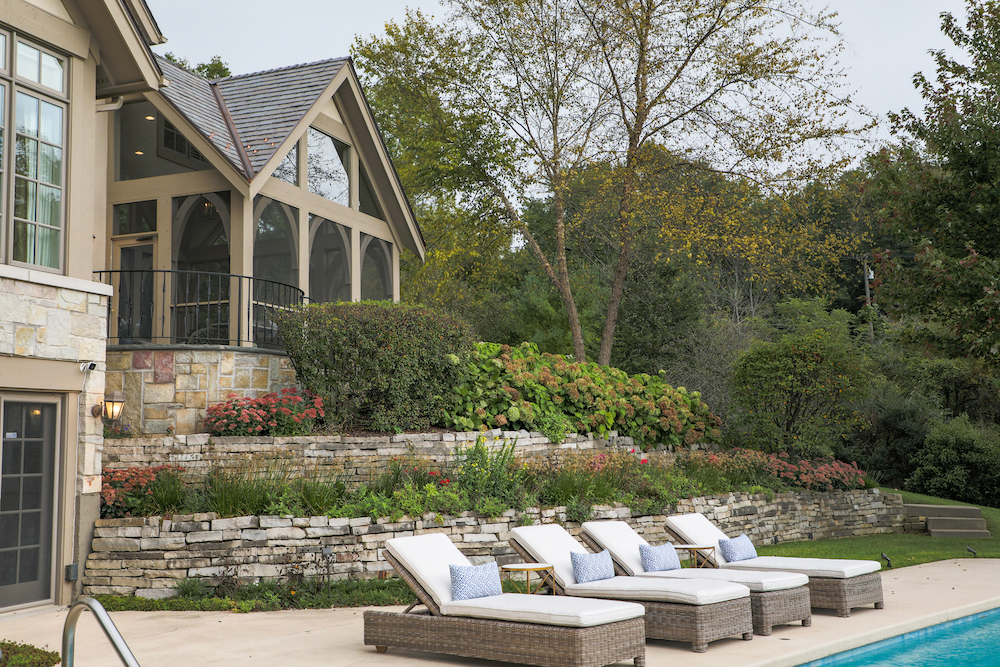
[(902, 549)]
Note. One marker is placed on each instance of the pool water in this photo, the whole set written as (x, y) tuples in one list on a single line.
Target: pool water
[(972, 640)]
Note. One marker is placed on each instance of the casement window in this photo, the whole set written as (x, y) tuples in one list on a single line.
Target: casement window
[(33, 116)]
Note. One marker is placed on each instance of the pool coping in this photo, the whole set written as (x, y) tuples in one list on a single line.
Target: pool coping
[(854, 641)]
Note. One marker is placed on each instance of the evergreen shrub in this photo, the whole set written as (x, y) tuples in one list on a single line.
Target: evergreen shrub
[(520, 388), (959, 460), (377, 365)]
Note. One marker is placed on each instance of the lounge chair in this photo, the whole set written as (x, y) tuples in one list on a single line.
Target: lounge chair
[(676, 609), (839, 584), (776, 598), (528, 629)]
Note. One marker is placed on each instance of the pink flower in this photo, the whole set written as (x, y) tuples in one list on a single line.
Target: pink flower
[(644, 461)]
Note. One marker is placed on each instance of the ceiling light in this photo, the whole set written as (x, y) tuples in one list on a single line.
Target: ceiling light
[(150, 117), (138, 153)]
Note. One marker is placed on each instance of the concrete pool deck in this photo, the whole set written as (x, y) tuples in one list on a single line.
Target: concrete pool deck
[(915, 597)]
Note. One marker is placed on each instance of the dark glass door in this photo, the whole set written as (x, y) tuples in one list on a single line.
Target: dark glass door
[(26, 483), (135, 293)]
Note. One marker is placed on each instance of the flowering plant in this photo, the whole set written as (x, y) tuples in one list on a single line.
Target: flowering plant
[(290, 412), (129, 491)]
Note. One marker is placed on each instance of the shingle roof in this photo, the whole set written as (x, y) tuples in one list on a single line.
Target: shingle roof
[(289, 93), (264, 106)]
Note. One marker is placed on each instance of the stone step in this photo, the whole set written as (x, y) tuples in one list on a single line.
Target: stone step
[(964, 534), (954, 523), (967, 511)]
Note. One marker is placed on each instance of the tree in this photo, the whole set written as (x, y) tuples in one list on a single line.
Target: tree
[(557, 84), (213, 69), (941, 201)]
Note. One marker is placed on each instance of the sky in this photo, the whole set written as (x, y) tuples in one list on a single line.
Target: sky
[(887, 40)]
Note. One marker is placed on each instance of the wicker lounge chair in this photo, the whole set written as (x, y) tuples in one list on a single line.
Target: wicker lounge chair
[(776, 598), (698, 612), (525, 629), (840, 584)]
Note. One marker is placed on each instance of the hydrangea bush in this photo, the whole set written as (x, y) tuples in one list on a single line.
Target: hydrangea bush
[(520, 388), (290, 412)]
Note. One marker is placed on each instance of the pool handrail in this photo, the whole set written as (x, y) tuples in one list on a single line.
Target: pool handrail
[(115, 637)]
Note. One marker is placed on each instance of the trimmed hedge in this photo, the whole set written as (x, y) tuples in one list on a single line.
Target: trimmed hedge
[(377, 365), (520, 388)]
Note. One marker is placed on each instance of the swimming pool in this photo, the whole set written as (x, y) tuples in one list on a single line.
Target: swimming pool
[(971, 640)]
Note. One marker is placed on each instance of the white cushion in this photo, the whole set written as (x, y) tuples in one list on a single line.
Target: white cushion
[(550, 543), (621, 540), (757, 582), (427, 558), (695, 528), (683, 591), (545, 609), (835, 568)]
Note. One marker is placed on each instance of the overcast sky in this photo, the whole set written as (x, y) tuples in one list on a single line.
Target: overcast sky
[(887, 40)]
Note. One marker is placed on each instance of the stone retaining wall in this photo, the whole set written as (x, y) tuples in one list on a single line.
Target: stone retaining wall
[(352, 457), (168, 387), (147, 556)]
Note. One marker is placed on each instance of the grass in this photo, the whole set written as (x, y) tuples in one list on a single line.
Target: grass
[(903, 549)]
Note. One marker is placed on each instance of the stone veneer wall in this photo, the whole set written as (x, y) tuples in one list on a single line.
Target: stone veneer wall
[(168, 388), (41, 319), (147, 556), (354, 457)]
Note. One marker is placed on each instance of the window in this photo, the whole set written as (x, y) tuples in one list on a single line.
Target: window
[(174, 147), (329, 261), (32, 99), (376, 268), (288, 169), (328, 175), (135, 218), (366, 194)]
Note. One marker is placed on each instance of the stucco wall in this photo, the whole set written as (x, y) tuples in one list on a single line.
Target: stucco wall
[(168, 388), (147, 556)]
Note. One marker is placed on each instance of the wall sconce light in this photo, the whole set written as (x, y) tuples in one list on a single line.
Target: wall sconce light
[(113, 406)]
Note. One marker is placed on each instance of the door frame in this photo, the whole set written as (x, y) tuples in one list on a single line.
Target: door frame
[(57, 537), (117, 245)]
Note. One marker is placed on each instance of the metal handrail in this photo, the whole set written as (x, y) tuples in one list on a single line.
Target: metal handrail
[(115, 637)]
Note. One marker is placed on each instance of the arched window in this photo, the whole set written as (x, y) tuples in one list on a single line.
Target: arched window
[(376, 268), (329, 261), (201, 286), (275, 242)]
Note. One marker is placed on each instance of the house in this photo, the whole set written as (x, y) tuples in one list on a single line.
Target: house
[(153, 224)]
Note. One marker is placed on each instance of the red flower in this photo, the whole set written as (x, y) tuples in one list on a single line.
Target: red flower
[(644, 461)]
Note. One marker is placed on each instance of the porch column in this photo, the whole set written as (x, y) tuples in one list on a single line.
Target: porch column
[(241, 227), (304, 232), (355, 263)]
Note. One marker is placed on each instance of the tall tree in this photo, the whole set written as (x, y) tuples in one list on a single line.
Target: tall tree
[(942, 200), (740, 85)]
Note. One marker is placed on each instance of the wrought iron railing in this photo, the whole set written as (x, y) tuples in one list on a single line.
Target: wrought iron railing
[(195, 307)]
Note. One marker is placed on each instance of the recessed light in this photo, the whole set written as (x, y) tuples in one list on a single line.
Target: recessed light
[(150, 117), (139, 153)]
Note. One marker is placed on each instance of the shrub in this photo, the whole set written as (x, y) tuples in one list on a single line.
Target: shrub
[(959, 460), (288, 413), (16, 654), (520, 388), (825, 474), (194, 588), (377, 364), (797, 391), (491, 473), (134, 491)]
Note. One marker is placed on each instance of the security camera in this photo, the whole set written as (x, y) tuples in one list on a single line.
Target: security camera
[(88, 366)]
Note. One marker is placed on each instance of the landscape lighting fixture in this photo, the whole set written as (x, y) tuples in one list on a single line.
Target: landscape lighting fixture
[(113, 406)]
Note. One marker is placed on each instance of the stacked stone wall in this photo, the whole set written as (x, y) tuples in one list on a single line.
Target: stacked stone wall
[(168, 388), (353, 458), (147, 556)]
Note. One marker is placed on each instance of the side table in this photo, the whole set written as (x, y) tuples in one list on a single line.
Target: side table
[(544, 571), (706, 551)]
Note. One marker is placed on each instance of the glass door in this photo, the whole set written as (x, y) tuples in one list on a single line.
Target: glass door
[(134, 310), (27, 458)]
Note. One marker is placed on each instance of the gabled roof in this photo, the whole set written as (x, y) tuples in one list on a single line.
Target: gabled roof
[(289, 93), (247, 117)]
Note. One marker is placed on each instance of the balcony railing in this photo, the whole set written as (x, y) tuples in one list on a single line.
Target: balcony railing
[(195, 307)]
